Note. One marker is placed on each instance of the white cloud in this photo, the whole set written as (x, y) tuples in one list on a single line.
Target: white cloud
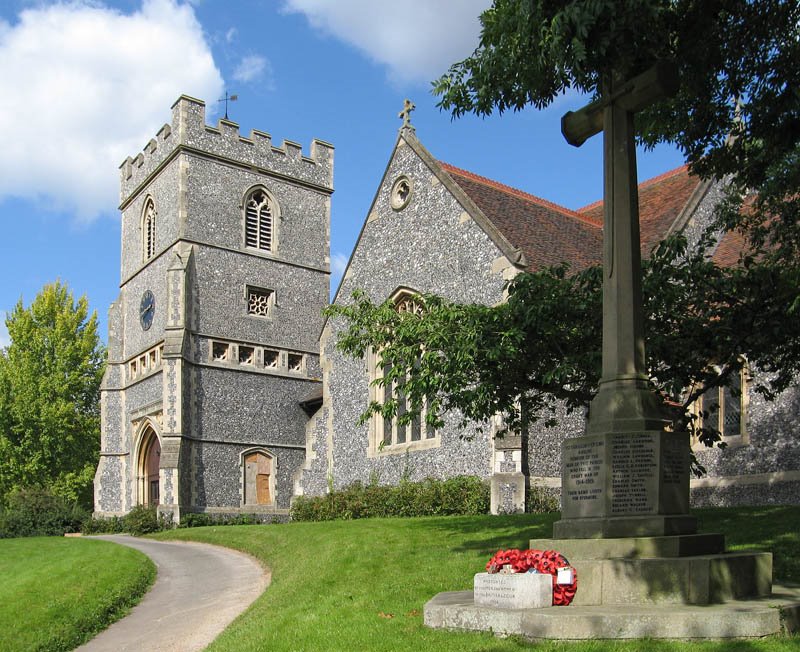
[(83, 86), (338, 267), (338, 264), (230, 35), (253, 67), (416, 39)]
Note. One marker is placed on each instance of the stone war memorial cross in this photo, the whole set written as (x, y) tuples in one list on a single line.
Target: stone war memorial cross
[(642, 570), (627, 476)]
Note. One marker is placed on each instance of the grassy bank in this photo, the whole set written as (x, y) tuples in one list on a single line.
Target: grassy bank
[(56, 593), (361, 585)]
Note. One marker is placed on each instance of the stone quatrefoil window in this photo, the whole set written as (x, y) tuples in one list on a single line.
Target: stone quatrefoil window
[(260, 216), (401, 193), (260, 301), (148, 230)]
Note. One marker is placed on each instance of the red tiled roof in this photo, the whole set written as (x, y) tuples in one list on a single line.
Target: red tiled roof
[(549, 234), (545, 232), (729, 248), (661, 200)]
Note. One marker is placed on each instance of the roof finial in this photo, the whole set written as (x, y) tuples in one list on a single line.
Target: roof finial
[(405, 114)]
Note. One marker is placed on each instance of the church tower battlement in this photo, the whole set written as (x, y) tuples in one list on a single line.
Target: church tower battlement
[(190, 131), (213, 341)]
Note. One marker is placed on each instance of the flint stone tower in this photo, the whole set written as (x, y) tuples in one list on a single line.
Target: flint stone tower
[(213, 340)]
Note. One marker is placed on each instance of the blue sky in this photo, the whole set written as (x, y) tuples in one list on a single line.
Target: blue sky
[(85, 84)]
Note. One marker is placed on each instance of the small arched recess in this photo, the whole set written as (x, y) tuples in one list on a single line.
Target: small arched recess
[(258, 477)]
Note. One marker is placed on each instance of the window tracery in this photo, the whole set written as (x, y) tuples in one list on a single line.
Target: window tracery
[(391, 435), (148, 230), (260, 213)]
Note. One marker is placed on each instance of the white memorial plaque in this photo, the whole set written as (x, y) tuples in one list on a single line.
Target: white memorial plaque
[(517, 591)]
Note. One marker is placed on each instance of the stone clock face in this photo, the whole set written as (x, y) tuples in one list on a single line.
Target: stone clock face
[(147, 309)]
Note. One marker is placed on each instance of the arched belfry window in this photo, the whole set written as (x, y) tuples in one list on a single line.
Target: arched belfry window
[(260, 219), (148, 229)]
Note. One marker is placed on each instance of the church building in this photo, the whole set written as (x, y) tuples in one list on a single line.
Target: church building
[(222, 396)]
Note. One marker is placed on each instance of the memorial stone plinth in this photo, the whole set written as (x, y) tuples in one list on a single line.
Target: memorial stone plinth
[(513, 590), (625, 484)]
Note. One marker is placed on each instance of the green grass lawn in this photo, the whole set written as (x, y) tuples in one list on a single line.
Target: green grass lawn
[(360, 585), (56, 593)]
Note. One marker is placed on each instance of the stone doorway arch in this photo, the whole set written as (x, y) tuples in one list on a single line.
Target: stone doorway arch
[(149, 486)]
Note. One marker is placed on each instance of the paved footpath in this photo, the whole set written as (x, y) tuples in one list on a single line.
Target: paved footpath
[(199, 590)]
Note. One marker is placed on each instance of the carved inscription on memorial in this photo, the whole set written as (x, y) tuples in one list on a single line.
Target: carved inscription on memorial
[(634, 469), (517, 591), (673, 463), (581, 475)]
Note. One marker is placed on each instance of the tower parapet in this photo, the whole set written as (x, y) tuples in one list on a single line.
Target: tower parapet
[(190, 132)]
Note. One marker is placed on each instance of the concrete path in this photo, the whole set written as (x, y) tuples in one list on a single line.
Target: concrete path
[(199, 590)]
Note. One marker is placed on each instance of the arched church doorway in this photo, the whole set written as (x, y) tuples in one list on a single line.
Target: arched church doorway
[(149, 460)]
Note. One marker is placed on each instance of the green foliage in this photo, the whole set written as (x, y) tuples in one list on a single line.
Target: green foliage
[(57, 593), (49, 396), (542, 346), (457, 495), (538, 500), (37, 512), (144, 519), (112, 525), (736, 114), (203, 520)]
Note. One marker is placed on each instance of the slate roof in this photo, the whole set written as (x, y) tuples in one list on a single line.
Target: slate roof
[(548, 233)]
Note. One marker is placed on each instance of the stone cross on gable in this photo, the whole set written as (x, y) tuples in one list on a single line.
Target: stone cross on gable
[(623, 336), (405, 114)]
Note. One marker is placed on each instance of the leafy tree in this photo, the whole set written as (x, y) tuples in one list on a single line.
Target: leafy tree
[(540, 349), (736, 116), (49, 396)]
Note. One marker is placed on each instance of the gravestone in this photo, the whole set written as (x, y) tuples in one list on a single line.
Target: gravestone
[(627, 476)]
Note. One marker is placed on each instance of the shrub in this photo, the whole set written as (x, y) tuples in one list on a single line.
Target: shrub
[(113, 525), (540, 500), (35, 512), (201, 519), (196, 520), (458, 495), (144, 519)]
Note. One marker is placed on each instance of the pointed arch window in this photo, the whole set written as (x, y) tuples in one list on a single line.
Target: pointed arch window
[(725, 409), (148, 230), (260, 218), (390, 435)]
